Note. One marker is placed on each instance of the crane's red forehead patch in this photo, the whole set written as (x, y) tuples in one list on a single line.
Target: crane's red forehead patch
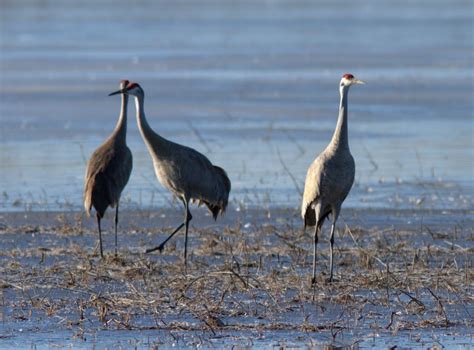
[(132, 85), (348, 76), (124, 82)]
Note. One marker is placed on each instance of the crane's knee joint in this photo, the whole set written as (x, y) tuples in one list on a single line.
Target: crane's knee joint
[(189, 217)]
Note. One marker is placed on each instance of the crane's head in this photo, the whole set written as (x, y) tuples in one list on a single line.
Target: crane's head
[(123, 84), (348, 80), (130, 89)]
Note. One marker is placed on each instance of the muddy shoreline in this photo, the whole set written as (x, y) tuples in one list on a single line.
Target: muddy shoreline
[(403, 278)]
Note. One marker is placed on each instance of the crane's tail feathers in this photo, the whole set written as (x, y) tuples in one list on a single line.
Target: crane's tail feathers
[(88, 188), (215, 209), (88, 205), (100, 207), (309, 217), (219, 202), (223, 194), (225, 180)]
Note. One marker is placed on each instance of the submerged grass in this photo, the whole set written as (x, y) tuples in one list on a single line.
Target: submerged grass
[(246, 277)]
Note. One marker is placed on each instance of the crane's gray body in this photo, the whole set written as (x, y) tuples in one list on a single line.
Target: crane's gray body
[(108, 171), (328, 181), (330, 177), (187, 173)]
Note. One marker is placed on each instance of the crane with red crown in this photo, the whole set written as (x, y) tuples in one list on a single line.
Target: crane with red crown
[(330, 178)]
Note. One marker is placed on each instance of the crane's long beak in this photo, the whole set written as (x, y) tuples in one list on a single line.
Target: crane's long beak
[(117, 92), (357, 81)]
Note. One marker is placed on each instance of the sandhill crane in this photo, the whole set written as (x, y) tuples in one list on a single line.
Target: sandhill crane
[(108, 171), (330, 177), (188, 174)]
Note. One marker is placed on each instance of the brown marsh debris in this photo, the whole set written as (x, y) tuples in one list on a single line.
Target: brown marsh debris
[(256, 278)]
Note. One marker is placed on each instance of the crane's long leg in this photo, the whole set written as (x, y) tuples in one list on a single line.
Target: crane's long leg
[(116, 224), (315, 248), (187, 219), (162, 245), (331, 240), (100, 236)]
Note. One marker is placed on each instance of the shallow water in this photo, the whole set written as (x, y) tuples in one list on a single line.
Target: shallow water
[(253, 85), (48, 273)]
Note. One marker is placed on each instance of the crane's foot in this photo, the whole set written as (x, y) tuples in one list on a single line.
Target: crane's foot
[(331, 280), (97, 251), (313, 281), (160, 248)]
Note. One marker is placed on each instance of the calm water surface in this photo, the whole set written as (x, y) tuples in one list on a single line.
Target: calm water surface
[(252, 84)]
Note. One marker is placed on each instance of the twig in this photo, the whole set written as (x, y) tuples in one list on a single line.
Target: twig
[(199, 137), (371, 160), (166, 198), (290, 174), (441, 307), (358, 246), (83, 156), (412, 298), (392, 317), (300, 148)]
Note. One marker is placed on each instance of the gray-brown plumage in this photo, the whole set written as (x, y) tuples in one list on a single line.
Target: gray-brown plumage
[(330, 177), (108, 171), (185, 172)]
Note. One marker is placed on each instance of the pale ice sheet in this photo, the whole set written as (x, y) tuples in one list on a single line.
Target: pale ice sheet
[(253, 85)]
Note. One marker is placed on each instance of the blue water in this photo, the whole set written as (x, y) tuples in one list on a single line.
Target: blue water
[(252, 84)]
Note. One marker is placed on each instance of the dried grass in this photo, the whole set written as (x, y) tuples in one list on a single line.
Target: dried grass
[(239, 280)]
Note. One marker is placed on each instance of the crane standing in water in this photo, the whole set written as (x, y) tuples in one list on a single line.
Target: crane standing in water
[(108, 171), (187, 173), (330, 177)]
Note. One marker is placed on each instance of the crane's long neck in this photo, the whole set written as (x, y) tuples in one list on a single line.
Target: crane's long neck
[(340, 139), (121, 127), (154, 142)]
